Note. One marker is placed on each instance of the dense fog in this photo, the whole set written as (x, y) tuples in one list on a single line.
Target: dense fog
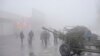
[(18, 16)]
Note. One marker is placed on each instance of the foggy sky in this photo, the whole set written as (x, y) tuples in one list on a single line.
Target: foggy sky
[(58, 13)]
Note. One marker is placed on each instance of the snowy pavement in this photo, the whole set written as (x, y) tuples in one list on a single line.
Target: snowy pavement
[(11, 46)]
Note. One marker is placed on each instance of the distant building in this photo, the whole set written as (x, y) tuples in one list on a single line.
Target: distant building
[(6, 27), (8, 23), (12, 23)]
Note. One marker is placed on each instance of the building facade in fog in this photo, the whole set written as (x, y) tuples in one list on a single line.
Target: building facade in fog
[(6, 27), (8, 23)]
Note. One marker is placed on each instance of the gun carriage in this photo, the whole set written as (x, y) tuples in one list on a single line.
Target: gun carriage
[(75, 41)]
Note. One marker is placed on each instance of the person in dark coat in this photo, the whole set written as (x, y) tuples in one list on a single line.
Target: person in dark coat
[(55, 38), (21, 37), (30, 39), (45, 35)]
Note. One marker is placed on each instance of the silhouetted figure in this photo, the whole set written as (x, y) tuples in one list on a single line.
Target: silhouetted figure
[(30, 39), (45, 35), (21, 37), (55, 37)]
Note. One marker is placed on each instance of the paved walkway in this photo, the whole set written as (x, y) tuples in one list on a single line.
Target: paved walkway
[(10, 46)]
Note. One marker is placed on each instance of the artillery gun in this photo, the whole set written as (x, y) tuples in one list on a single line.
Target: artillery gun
[(75, 40), (54, 31)]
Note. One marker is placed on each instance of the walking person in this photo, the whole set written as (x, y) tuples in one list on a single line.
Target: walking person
[(30, 39), (45, 35), (55, 34), (21, 37)]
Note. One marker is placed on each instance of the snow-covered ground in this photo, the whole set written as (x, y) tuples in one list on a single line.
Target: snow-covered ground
[(10, 46)]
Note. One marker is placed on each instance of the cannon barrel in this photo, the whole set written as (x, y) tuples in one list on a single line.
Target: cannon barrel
[(51, 30), (44, 28), (60, 34)]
